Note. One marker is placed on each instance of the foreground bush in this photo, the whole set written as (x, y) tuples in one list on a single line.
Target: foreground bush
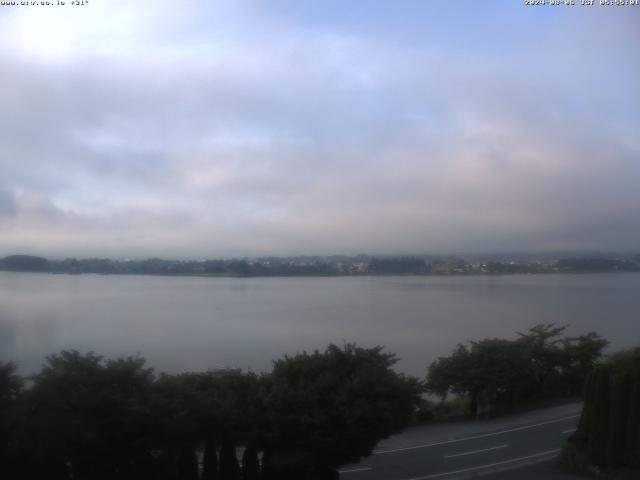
[(608, 435), (332, 408), (89, 418)]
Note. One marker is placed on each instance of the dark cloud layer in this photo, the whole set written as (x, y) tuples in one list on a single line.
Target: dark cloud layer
[(183, 130)]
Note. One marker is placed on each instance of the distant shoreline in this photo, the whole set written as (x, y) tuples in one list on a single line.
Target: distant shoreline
[(363, 275), (337, 266)]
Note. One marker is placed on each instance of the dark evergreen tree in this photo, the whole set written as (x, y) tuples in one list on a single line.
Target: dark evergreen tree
[(210, 460), (599, 426), (188, 464), (229, 466), (609, 428), (268, 470), (168, 465), (250, 463), (582, 431), (632, 450), (618, 418), (91, 414), (10, 393)]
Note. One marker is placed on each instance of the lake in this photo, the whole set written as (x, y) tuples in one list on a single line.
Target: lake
[(195, 323)]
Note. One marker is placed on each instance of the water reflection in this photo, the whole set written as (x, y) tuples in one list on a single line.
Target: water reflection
[(183, 323)]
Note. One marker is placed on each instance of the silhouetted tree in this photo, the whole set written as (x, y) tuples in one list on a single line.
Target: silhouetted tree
[(10, 390), (188, 464), (177, 406), (89, 418), (580, 356), (250, 463), (209, 460), (229, 466), (500, 374), (90, 414), (609, 428), (331, 408), (448, 374), (491, 371)]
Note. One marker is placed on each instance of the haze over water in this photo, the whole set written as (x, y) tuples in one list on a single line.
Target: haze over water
[(183, 323)]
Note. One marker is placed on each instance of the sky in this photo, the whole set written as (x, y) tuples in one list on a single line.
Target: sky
[(204, 129)]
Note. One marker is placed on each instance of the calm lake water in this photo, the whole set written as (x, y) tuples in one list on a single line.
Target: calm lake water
[(183, 323)]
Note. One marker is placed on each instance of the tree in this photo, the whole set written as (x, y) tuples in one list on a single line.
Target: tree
[(91, 414), (86, 417), (499, 374), (331, 408), (209, 460), (542, 346), (229, 466), (491, 372), (581, 355), (609, 428), (449, 374), (250, 463), (188, 464), (11, 386)]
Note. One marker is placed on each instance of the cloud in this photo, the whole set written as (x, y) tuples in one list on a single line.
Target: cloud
[(7, 203), (192, 130)]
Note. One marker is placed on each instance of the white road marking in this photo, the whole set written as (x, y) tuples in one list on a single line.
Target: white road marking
[(353, 470), (571, 430), (509, 467), (474, 437), (488, 465), (476, 451)]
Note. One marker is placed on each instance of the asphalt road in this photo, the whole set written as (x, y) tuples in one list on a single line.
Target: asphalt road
[(517, 447)]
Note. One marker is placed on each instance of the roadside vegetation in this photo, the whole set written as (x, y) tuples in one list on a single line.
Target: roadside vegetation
[(607, 441), (90, 418), (496, 375), (85, 417)]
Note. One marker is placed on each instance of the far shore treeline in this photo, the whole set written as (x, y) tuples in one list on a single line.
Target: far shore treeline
[(336, 265), (85, 417)]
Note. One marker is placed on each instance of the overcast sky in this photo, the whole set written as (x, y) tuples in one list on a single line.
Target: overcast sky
[(181, 128)]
